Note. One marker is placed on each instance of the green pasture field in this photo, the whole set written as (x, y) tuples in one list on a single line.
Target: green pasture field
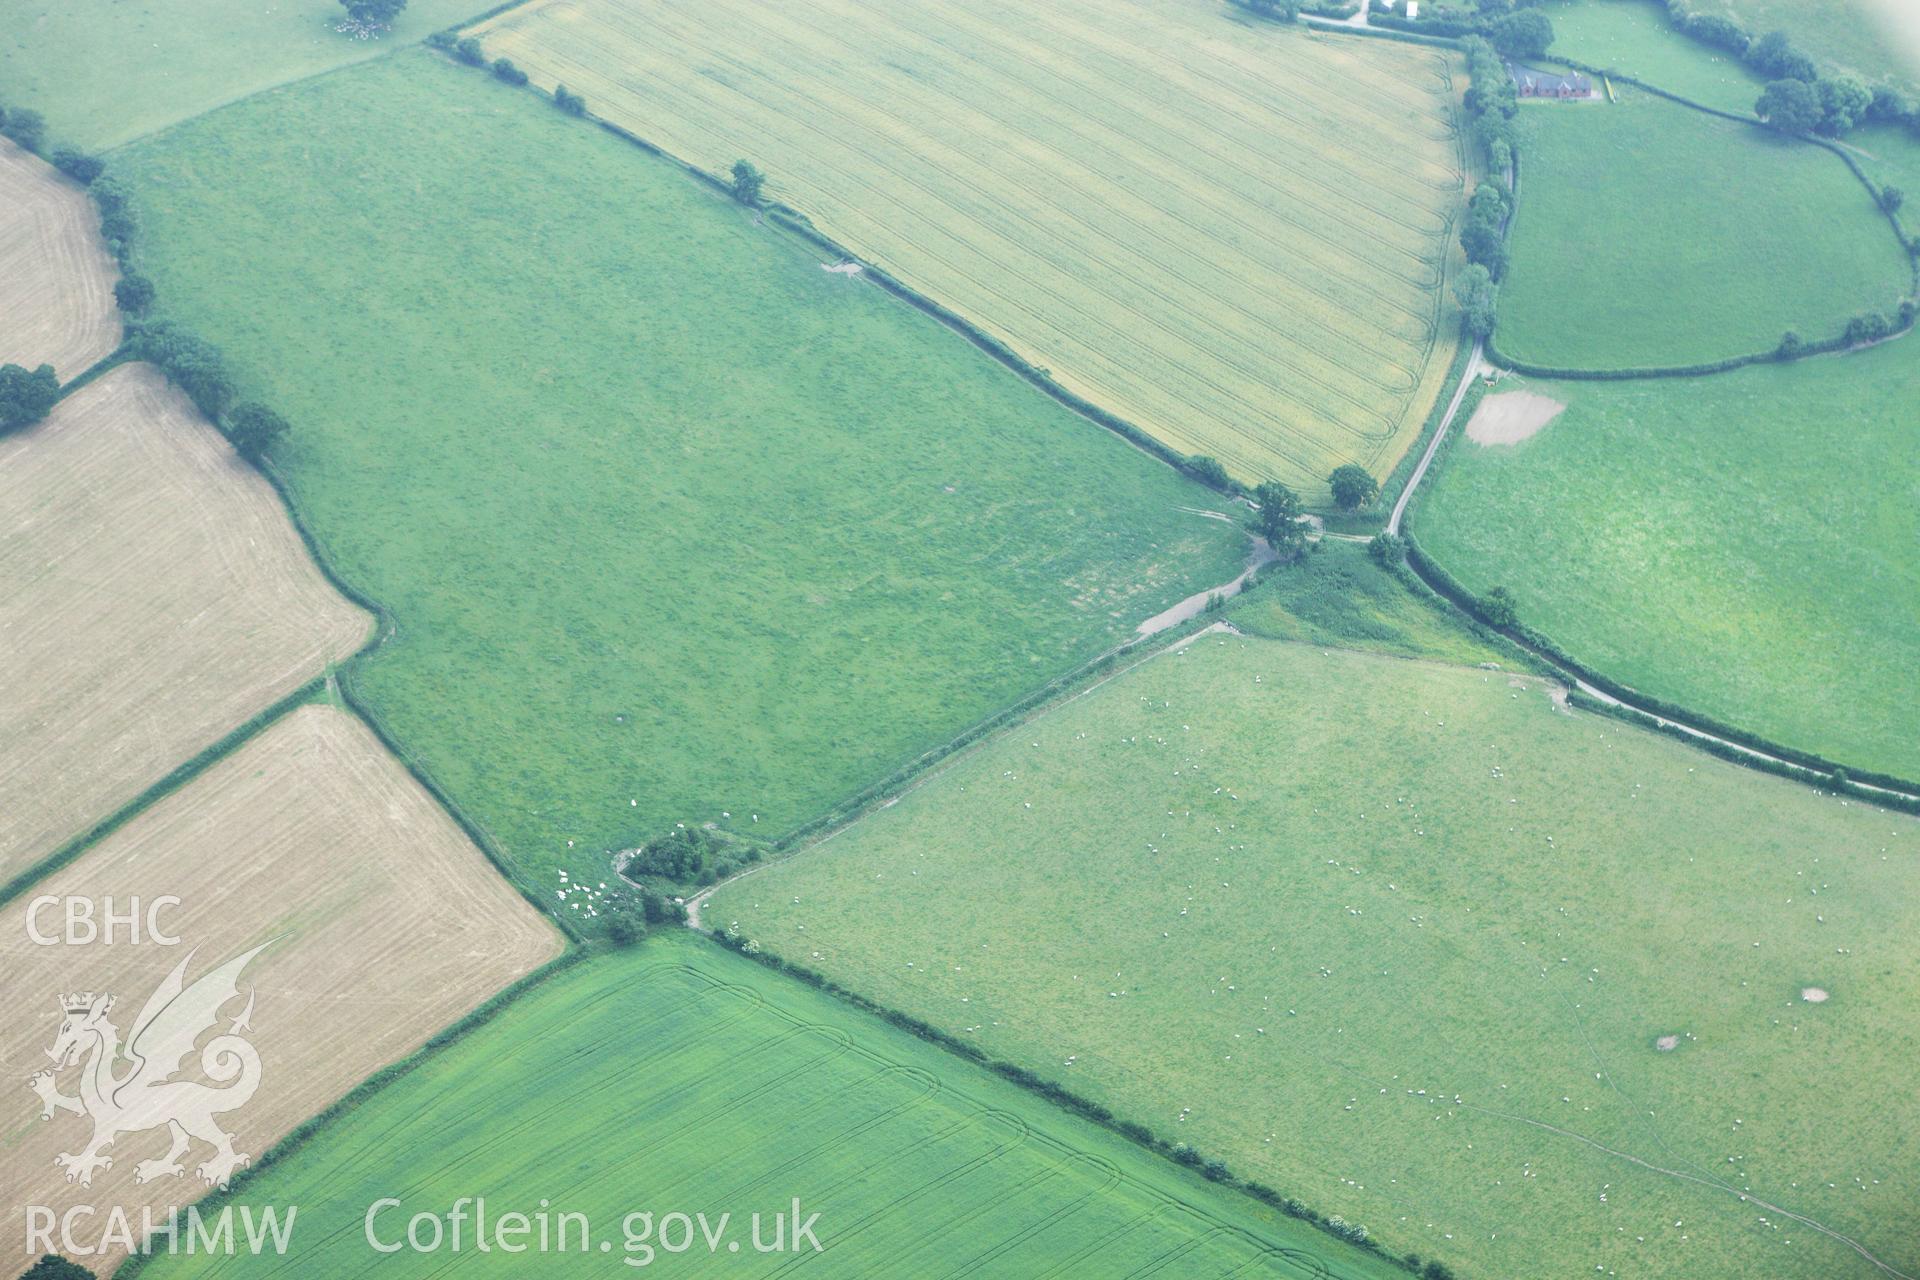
[(682, 1079), (1234, 234), (104, 72), (1634, 36), (1718, 237), (1891, 155), (1337, 595), (1874, 39), (1401, 940), (674, 525), (1741, 545)]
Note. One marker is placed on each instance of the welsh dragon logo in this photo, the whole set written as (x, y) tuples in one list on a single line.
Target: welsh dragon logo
[(131, 1089)]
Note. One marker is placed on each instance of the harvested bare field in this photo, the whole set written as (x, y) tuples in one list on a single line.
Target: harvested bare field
[(381, 923), (56, 277), (152, 584), (1512, 416)]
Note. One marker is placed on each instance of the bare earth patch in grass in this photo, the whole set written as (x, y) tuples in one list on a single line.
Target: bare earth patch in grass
[(1512, 416)]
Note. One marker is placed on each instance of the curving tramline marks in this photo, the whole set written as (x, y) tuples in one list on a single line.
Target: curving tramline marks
[(1234, 235), (56, 279), (682, 1079)]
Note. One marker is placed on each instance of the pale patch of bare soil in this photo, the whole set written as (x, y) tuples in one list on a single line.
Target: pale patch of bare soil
[(1511, 416), (153, 597), (383, 922), (56, 277)]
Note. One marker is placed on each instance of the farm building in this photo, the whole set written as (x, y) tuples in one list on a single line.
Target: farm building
[(1534, 83)]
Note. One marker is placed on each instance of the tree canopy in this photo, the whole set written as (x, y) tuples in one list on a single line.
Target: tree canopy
[(253, 428), (1523, 34), (27, 128), (1278, 517), (373, 15), (1353, 486), (748, 183), (1479, 297), (1790, 106), (26, 396), (191, 363)]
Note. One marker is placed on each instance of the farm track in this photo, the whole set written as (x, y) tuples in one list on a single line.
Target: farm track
[(1691, 728), (1189, 349)]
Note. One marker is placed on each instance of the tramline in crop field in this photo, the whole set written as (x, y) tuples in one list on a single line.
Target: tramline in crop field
[(1235, 236)]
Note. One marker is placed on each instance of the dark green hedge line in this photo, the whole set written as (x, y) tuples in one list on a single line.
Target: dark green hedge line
[(1403, 471), (904, 776), (304, 1133), (1087, 1109), (1434, 27), (1899, 323), (180, 775), (479, 18), (1627, 78), (1840, 783), (1374, 32), (1826, 346), (800, 225), (384, 627), (1444, 584), (793, 220)]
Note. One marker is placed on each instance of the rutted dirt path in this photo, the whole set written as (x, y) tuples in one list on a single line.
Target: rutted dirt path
[(1196, 604)]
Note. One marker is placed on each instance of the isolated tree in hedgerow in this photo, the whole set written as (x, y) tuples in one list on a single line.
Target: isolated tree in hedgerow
[(1525, 34), (27, 128), (1208, 470), (626, 918), (1387, 549), (26, 396), (78, 165), (1774, 56), (191, 363), (1353, 486), (369, 16), (134, 293), (253, 428), (748, 182), (1478, 296), (1790, 106), (1844, 103), (1891, 198), (1278, 519), (1496, 607)]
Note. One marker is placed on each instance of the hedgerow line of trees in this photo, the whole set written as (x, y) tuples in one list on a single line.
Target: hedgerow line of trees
[(194, 365), (1212, 1169), (1825, 108)]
